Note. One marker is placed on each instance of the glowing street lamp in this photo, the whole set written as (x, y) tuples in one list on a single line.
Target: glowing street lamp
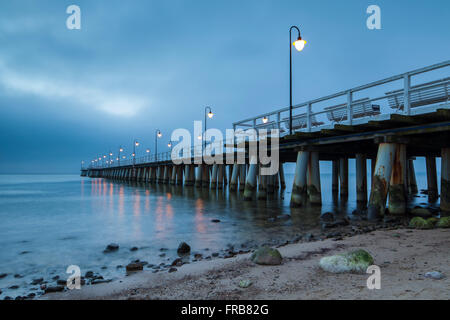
[(120, 151), (135, 144), (158, 134), (299, 44), (265, 119), (210, 114)]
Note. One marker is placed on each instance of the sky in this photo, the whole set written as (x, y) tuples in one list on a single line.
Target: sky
[(140, 65)]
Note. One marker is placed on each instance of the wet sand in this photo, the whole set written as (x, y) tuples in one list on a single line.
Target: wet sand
[(403, 255)]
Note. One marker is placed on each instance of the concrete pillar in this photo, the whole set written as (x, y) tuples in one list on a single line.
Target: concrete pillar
[(198, 177), (361, 178), (165, 175), (343, 176), (173, 176), (270, 181), (220, 175), (299, 186), (412, 182), (234, 177), (225, 174), (187, 176), (205, 176), (179, 170), (242, 177), (250, 182), (262, 190), (160, 174), (432, 179), (445, 180), (335, 176), (191, 175), (397, 186), (282, 178), (214, 176), (153, 175), (313, 179), (381, 178)]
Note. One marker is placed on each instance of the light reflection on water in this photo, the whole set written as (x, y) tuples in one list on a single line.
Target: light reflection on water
[(52, 222)]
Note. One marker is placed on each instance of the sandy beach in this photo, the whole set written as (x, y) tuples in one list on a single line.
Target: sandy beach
[(404, 256)]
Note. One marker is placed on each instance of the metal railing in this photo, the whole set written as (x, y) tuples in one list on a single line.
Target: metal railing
[(312, 119)]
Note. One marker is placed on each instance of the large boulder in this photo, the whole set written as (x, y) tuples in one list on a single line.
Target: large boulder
[(443, 222), (420, 223), (183, 249), (355, 261), (267, 256)]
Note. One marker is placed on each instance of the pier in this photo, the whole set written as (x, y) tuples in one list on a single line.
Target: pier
[(390, 127)]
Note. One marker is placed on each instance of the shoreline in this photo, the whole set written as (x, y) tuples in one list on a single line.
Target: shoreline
[(404, 256)]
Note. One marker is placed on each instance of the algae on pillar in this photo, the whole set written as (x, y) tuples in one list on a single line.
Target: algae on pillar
[(397, 186), (381, 179), (299, 186)]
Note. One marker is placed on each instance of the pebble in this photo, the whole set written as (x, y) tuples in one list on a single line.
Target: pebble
[(436, 275)]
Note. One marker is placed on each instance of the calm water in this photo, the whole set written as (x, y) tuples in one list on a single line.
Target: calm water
[(49, 222)]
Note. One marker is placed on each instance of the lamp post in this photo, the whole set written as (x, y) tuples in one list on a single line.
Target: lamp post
[(207, 115), (158, 134), (299, 44), (110, 155), (148, 154), (120, 151), (135, 144)]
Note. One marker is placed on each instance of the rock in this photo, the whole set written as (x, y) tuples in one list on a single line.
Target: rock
[(245, 283), (443, 222), (37, 281), (172, 269), (177, 262), (55, 278), (215, 254), (134, 249), (43, 287), (355, 261), (112, 247), (135, 266), (266, 256), (61, 282), (89, 274), (283, 217), (183, 249), (18, 276), (54, 289), (420, 223), (14, 287), (308, 237), (98, 281), (162, 255), (421, 212), (327, 217), (3, 275), (198, 256), (215, 220), (436, 275)]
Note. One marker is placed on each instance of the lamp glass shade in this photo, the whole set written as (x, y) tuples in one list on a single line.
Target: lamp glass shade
[(265, 119), (210, 114), (299, 44)]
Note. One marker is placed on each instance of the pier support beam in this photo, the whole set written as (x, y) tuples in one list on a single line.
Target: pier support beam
[(431, 179), (198, 176), (313, 179), (205, 176), (250, 182), (179, 172), (173, 176), (335, 176), (242, 177), (397, 186), (262, 190), (299, 186), (381, 179), (214, 176), (220, 175), (166, 175), (361, 178), (282, 178), (234, 177), (445, 180), (412, 182), (343, 176)]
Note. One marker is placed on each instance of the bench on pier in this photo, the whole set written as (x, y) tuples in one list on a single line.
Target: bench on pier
[(361, 108), (300, 121), (422, 94)]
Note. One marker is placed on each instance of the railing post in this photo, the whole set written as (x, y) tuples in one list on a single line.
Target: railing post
[(349, 107), (406, 102), (279, 120), (308, 117)]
